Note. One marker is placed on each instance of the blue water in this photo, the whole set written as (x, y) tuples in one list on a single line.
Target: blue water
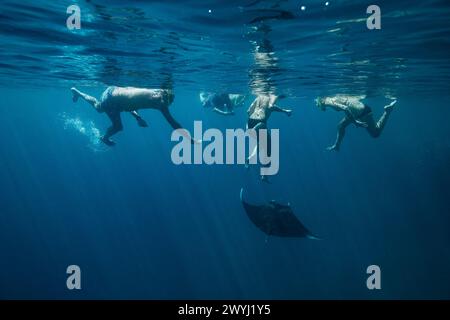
[(140, 227)]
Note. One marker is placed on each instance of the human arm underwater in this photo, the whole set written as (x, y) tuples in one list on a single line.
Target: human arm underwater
[(279, 109), (141, 122), (175, 125), (226, 113), (340, 134)]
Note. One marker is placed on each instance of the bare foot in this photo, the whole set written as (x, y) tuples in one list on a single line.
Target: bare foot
[(390, 106), (333, 147)]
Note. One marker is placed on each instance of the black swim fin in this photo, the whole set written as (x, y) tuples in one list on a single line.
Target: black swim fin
[(108, 142)]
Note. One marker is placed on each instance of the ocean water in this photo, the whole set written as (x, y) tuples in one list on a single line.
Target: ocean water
[(140, 227)]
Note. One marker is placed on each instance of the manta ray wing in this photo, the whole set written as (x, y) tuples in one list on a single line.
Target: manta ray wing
[(259, 215)]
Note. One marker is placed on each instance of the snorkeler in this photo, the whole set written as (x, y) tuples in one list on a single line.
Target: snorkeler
[(263, 74), (357, 113), (117, 99), (222, 103), (259, 113)]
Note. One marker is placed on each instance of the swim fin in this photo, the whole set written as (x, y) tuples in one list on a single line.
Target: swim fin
[(108, 142)]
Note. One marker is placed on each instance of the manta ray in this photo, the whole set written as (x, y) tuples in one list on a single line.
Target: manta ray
[(276, 219)]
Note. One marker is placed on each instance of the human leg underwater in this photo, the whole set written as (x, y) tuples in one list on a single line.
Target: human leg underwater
[(116, 126), (375, 129), (89, 99)]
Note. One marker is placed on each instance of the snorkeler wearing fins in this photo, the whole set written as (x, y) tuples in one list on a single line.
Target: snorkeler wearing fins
[(129, 99), (222, 103), (258, 115), (357, 113)]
